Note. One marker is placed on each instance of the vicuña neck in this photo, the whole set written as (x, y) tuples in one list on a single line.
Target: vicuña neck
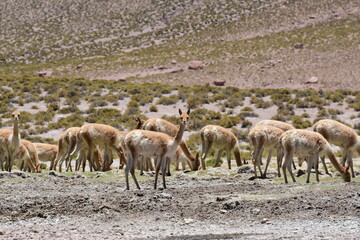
[(335, 162), (16, 127), (180, 133)]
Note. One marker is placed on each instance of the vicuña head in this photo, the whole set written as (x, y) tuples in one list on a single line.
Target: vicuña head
[(346, 176), (15, 115), (184, 117)]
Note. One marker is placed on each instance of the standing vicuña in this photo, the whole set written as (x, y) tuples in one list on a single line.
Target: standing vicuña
[(342, 136), (105, 137), (28, 156), (66, 144), (161, 125), (152, 144), (10, 142), (312, 145), (261, 137), (46, 152), (221, 139)]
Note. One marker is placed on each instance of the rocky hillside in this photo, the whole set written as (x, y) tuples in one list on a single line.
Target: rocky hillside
[(249, 43)]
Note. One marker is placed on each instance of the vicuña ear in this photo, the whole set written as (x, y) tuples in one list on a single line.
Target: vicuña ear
[(180, 112), (347, 168), (188, 111)]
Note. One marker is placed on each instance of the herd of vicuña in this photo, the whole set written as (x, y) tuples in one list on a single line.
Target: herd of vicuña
[(159, 140)]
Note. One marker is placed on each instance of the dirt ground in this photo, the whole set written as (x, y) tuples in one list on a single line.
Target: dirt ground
[(214, 204)]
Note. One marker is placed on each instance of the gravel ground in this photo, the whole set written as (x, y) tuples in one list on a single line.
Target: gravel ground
[(213, 204)]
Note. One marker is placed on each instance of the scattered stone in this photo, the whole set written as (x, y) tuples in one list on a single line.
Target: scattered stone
[(245, 169), (219, 83), (312, 80), (150, 174), (20, 174), (56, 174), (231, 205), (264, 220), (299, 45), (5, 175), (173, 62), (195, 65), (140, 194), (99, 174), (45, 74), (220, 198), (177, 70), (41, 215), (188, 220), (223, 211), (255, 211), (161, 67), (121, 80), (79, 175), (79, 66), (164, 195)]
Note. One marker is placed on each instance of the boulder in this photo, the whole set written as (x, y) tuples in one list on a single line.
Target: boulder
[(299, 45), (195, 65), (45, 74), (176, 70), (312, 80)]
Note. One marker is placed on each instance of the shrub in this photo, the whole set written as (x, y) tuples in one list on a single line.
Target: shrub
[(53, 107), (297, 122), (153, 108), (43, 116), (246, 123), (247, 109), (322, 113), (74, 120), (333, 112), (26, 117), (167, 100), (70, 109)]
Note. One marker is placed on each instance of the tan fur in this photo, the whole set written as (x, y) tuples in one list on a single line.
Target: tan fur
[(10, 143), (152, 144), (265, 136), (66, 145), (282, 125), (106, 137), (46, 152), (312, 145), (29, 154), (340, 135), (161, 125), (221, 139)]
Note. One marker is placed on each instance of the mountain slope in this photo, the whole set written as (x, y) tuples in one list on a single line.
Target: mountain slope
[(247, 43)]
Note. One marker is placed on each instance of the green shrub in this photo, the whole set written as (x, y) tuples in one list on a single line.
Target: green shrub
[(334, 112), (322, 113), (246, 123), (74, 120), (153, 108), (43, 116), (297, 122), (26, 117), (167, 100), (247, 109)]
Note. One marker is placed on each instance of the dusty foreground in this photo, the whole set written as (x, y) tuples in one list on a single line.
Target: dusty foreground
[(213, 205)]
